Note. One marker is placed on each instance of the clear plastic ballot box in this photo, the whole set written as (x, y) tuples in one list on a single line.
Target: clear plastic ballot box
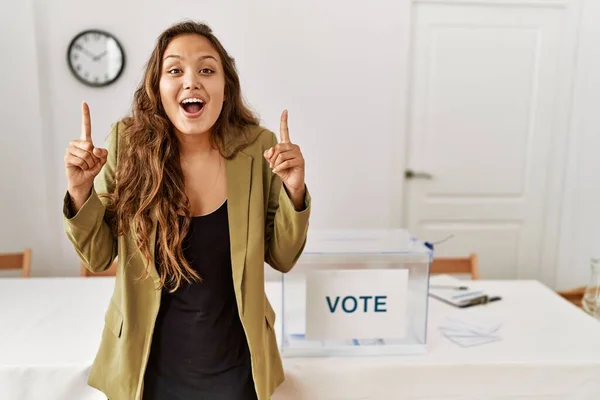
[(356, 292)]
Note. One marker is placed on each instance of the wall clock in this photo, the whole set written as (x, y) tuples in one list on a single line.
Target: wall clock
[(96, 58)]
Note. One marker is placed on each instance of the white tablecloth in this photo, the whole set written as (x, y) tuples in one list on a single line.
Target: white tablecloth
[(50, 330)]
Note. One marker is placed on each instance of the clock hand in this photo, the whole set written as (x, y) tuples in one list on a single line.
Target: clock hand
[(96, 58), (84, 50)]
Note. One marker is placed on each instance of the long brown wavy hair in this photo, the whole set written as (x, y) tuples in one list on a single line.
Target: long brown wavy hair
[(149, 179)]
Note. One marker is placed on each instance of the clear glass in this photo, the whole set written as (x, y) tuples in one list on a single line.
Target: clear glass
[(591, 297), (344, 251)]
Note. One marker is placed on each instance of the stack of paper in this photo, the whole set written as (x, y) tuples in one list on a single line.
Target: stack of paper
[(467, 329), (457, 292)]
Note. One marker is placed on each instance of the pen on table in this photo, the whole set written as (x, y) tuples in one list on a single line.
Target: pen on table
[(449, 287)]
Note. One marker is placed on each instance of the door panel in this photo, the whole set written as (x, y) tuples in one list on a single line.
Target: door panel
[(483, 120)]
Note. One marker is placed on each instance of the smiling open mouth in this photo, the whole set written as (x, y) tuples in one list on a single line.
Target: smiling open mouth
[(192, 106)]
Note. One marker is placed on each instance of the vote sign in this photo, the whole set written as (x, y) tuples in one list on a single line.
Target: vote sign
[(356, 304)]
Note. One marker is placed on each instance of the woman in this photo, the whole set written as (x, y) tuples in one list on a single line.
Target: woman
[(193, 196)]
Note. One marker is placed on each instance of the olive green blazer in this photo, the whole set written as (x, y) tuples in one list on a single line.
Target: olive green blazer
[(264, 227)]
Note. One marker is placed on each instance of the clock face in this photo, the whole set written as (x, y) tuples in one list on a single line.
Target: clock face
[(96, 58)]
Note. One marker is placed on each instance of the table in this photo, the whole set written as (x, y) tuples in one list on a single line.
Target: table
[(50, 330), (550, 350)]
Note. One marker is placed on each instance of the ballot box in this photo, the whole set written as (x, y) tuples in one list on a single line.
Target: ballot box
[(356, 292)]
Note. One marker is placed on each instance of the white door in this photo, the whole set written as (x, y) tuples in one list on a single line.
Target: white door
[(488, 118)]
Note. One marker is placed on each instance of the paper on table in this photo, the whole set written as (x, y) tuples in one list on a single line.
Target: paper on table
[(472, 341), (467, 329), (457, 292), (475, 324)]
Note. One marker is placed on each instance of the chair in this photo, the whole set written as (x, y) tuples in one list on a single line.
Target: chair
[(112, 271), (20, 261), (455, 266), (575, 295)]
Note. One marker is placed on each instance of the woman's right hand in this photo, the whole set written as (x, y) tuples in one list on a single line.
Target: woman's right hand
[(83, 161)]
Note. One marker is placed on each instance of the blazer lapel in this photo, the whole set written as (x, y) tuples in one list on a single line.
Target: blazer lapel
[(152, 238), (239, 173), (152, 243)]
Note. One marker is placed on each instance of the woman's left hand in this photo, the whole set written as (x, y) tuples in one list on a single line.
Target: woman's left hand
[(286, 160)]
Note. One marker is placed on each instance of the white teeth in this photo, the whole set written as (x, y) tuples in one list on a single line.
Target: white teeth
[(192, 100)]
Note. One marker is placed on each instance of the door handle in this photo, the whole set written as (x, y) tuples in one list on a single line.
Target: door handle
[(410, 174)]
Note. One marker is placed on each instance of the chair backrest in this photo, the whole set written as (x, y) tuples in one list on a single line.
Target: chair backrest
[(112, 271), (20, 261), (574, 295), (455, 266)]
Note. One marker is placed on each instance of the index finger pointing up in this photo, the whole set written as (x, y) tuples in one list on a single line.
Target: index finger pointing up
[(284, 133), (86, 124)]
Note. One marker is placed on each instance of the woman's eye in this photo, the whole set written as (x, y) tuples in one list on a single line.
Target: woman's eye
[(174, 71), (206, 71)]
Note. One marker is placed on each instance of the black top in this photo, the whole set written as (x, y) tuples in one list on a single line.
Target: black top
[(199, 346)]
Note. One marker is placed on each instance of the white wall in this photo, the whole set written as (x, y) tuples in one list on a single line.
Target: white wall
[(24, 144), (580, 228), (332, 64), (338, 66)]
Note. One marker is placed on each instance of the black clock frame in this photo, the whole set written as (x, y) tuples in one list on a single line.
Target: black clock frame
[(71, 67)]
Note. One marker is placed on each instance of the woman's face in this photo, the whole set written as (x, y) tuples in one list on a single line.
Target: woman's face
[(192, 84)]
